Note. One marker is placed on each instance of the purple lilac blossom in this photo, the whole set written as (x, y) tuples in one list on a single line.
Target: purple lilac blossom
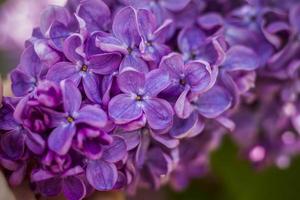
[(118, 95)]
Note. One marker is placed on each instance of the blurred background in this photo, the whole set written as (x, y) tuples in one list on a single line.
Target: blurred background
[(230, 178)]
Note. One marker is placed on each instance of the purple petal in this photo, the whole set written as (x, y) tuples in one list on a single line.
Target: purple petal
[(30, 63), (71, 96), (214, 102), (163, 31), (13, 144), (185, 127), (115, 151), (95, 13), (190, 39), (125, 26), (101, 175), (91, 85), (132, 138), (74, 171), (35, 143), (183, 107), (7, 121), (105, 64), (58, 33), (165, 139), (73, 48), (146, 23), (156, 81), (40, 175), (50, 187), (241, 58), (22, 83), (73, 188), (159, 113), (294, 15), (123, 109), (131, 81), (60, 139), (142, 149), (51, 14), (133, 62), (63, 71), (92, 115), (199, 76), (173, 64), (159, 162), (111, 44), (175, 5), (17, 177), (46, 54)]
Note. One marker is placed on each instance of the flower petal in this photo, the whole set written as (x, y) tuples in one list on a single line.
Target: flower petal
[(165, 139), (294, 15), (146, 23), (156, 81), (241, 58), (175, 5), (123, 109), (200, 76), (60, 139), (49, 187), (173, 64), (91, 85), (30, 63), (22, 83), (13, 144), (116, 151), (131, 81), (63, 71), (71, 96), (183, 107), (134, 62), (125, 26), (35, 143), (141, 152), (73, 188), (159, 113), (132, 138), (214, 102), (7, 121), (105, 63), (92, 115), (73, 48), (111, 44), (95, 13), (101, 175), (185, 127)]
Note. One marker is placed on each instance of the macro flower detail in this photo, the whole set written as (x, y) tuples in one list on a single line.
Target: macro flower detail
[(139, 99), (120, 95), (60, 139)]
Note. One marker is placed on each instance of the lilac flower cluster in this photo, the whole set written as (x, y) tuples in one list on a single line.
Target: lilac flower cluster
[(124, 94)]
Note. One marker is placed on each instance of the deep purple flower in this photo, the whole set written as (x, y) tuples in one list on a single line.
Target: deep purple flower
[(82, 66), (103, 174), (187, 80), (17, 138), (139, 99), (26, 76), (195, 44), (58, 175), (125, 39), (60, 139)]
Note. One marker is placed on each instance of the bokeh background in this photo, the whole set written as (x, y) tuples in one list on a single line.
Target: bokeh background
[(230, 177)]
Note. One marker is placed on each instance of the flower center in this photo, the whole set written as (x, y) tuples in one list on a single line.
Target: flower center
[(139, 98), (129, 49), (148, 43), (84, 68), (182, 81), (70, 119)]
